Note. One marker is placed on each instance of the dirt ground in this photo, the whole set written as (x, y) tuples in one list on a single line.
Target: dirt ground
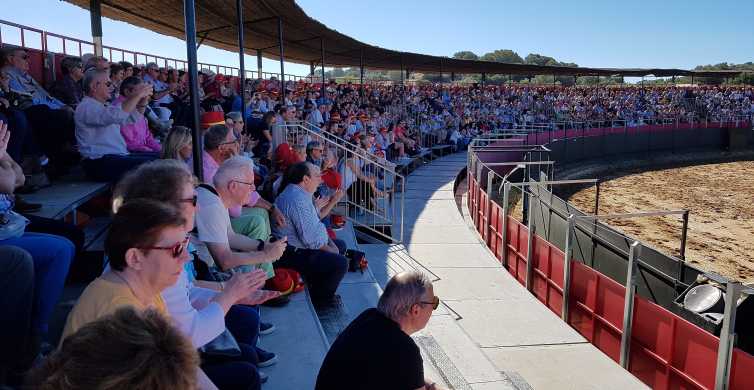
[(721, 222)]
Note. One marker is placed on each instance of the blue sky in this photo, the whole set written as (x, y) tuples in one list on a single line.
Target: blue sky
[(607, 33)]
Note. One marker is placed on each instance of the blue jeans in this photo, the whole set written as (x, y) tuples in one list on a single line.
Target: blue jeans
[(111, 167), (19, 344), (238, 372), (52, 256)]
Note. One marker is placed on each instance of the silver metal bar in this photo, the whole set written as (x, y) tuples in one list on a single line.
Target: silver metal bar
[(504, 223), (634, 215), (567, 268), (529, 252), (557, 182), (503, 164), (727, 336), (628, 305)]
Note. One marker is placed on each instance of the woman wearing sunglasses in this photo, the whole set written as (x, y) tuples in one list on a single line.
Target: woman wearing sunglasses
[(146, 248)]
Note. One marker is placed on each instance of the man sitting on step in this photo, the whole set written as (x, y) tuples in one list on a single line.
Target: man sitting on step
[(376, 350)]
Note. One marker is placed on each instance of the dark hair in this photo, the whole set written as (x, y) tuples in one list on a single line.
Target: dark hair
[(126, 65), (267, 115), (295, 174), (138, 224), (68, 63), (215, 136), (116, 67), (128, 83), (159, 180), (129, 349)]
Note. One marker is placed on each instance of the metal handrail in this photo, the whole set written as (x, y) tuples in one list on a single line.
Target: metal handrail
[(376, 210)]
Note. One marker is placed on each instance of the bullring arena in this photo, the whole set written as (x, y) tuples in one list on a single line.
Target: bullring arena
[(509, 223), (721, 224)]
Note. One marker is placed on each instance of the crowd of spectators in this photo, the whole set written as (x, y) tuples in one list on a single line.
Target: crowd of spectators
[(261, 222)]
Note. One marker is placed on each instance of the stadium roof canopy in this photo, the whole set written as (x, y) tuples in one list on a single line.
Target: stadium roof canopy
[(304, 39)]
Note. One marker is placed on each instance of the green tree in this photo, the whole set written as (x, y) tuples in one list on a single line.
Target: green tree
[(466, 55), (507, 56)]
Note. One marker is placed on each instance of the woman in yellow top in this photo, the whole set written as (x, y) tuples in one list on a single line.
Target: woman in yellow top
[(146, 247)]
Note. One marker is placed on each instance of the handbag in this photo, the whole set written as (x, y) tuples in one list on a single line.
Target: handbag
[(224, 345), (12, 225)]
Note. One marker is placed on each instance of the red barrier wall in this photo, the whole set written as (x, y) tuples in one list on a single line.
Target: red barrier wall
[(667, 352)]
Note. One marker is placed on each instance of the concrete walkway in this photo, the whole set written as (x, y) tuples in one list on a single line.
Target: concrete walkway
[(490, 333)]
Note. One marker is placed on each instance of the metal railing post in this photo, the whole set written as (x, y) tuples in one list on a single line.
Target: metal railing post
[(567, 268), (529, 251), (488, 228), (504, 223), (727, 336), (628, 305)]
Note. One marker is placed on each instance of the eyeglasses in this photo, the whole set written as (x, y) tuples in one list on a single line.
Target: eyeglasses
[(235, 141), (193, 200), (23, 57), (107, 83), (245, 182), (435, 302), (176, 250)]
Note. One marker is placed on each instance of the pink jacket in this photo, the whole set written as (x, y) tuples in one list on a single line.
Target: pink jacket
[(136, 132)]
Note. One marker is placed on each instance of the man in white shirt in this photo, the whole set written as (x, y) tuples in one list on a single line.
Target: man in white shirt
[(233, 183), (100, 142)]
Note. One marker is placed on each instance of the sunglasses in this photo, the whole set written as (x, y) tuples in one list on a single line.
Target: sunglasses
[(23, 57), (176, 250), (435, 302), (193, 200)]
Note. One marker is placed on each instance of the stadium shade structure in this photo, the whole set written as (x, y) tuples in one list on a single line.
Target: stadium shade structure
[(306, 40), (281, 30)]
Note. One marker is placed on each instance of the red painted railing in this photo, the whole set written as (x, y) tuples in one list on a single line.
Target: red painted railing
[(667, 352)]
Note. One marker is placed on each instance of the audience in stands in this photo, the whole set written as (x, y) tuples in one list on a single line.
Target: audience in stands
[(231, 187), (202, 313), (69, 88), (106, 156), (178, 145), (125, 349), (51, 254), (50, 119), (376, 350), (311, 251), (136, 131)]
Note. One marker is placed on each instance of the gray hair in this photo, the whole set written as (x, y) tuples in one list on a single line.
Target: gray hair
[(401, 292), (90, 76), (230, 169), (215, 136), (234, 116)]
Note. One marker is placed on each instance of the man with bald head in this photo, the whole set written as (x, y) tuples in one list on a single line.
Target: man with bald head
[(376, 350), (106, 157)]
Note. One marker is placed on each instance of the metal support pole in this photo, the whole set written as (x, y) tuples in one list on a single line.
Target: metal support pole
[(241, 53), (727, 336), (95, 14), (628, 305), (484, 78), (323, 91), (282, 66), (529, 251), (259, 64), (504, 224), (193, 73), (682, 251), (361, 76), (567, 267), (488, 228), (311, 69), (452, 76)]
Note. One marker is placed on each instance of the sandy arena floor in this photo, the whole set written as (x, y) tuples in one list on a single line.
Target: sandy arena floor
[(721, 223)]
